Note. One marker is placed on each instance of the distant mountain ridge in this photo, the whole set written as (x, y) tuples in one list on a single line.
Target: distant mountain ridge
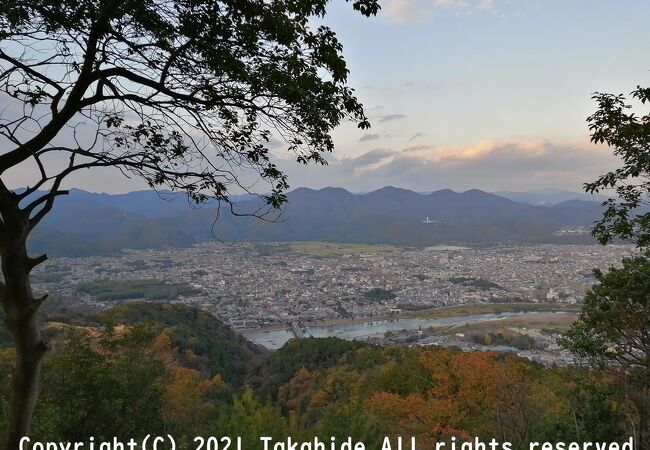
[(85, 223), (550, 197)]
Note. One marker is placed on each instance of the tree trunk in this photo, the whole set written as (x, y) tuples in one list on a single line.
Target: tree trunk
[(643, 405), (21, 318), (639, 395), (29, 353)]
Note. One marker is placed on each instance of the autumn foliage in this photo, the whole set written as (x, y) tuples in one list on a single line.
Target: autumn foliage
[(142, 377)]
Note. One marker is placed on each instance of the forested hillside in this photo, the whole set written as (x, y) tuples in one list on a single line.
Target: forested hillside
[(152, 367), (199, 339)]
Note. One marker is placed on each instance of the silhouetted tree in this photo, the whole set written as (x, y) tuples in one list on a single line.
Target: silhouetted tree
[(613, 331), (186, 94), (617, 125)]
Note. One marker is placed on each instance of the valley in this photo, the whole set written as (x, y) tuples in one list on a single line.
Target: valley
[(449, 295)]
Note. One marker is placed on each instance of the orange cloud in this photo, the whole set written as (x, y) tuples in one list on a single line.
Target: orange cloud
[(489, 165)]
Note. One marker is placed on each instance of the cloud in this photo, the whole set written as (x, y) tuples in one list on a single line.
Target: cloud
[(402, 11), (389, 117), (494, 165), (366, 162), (369, 137), (416, 135), (488, 165)]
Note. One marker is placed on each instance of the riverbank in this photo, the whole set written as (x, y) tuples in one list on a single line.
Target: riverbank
[(443, 319), (436, 313)]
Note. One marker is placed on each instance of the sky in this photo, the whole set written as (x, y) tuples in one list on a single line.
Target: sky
[(461, 94), (490, 94)]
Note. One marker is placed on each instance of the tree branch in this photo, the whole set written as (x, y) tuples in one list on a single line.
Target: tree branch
[(44, 198), (31, 71)]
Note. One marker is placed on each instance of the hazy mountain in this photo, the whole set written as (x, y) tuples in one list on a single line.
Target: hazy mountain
[(148, 203), (550, 197), (86, 223)]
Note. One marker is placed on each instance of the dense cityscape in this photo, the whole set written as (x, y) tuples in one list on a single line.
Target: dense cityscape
[(274, 286)]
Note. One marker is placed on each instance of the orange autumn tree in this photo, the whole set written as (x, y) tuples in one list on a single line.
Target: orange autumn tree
[(187, 402), (428, 416), (472, 394)]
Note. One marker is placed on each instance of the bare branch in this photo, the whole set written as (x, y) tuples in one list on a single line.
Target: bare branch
[(33, 262)]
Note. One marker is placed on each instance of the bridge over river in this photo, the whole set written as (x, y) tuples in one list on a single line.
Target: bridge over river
[(296, 329)]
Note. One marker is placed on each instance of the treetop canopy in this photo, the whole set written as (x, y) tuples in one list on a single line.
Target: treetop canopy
[(184, 93)]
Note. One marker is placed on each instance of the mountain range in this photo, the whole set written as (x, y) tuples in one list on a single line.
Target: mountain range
[(550, 197), (85, 223)]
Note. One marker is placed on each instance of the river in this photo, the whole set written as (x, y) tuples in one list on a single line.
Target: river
[(274, 339)]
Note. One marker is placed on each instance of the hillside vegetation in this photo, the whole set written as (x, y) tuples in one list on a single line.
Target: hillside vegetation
[(151, 367), (200, 340), (136, 289)]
